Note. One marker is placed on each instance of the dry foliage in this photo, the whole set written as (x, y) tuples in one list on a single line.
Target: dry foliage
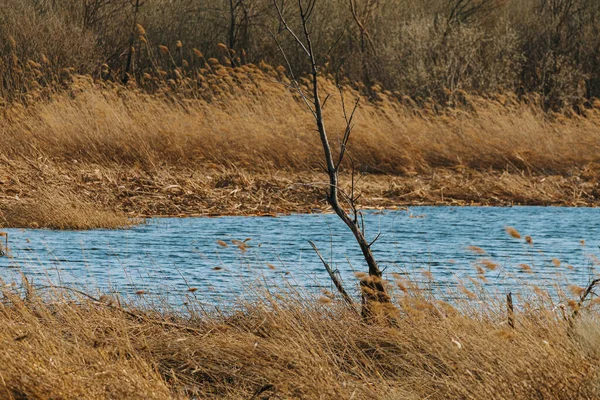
[(58, 345), (245, 117), (236, 141), (55, 209), (424, 49)]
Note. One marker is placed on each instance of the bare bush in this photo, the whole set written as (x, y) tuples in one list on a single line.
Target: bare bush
[(419, 48)]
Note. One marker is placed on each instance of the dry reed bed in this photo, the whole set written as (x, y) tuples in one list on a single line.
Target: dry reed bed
[(241, 143), (256, 123), (59, 209), (60, 345)]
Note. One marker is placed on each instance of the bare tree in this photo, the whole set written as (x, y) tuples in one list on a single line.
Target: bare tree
[(361, 13), (126, 74), (234, 6), (373, 290), (462, 11)]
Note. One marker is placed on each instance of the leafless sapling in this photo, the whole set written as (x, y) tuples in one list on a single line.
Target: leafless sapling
[(373, 289)]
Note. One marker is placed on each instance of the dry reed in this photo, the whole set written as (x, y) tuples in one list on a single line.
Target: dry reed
[(234, 141), (59, 210), (255, 123), (61, 345)]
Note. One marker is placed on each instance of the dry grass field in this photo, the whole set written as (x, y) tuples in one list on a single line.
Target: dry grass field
[(245, 144), (254, 122), (59, 344)]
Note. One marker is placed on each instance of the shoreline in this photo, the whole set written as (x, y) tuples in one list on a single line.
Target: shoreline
[(400, 207), (96, 156), (90, 196)]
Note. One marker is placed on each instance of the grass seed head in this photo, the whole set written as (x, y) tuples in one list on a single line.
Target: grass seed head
[(140, 30), (576, 290), (476, 250), (556, 262), (525, 268), (12, 43), (512, 232), (489, 264)]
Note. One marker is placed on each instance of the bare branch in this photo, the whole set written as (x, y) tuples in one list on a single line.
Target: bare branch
[(582, 299), (287, 28), (294, 81), (325, 101), (348, 129), (510, 310), (361, 26), (375, 240), (334, 278), (310, 9), (377, 290), (362, 222), (334, 45), (139, 317)]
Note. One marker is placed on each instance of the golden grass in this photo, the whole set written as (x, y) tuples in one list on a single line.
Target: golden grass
[(56, 345), (55, 209), (256, 123), (235, 141), (210, 190)]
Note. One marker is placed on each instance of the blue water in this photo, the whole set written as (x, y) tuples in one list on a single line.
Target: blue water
[(168, 256)]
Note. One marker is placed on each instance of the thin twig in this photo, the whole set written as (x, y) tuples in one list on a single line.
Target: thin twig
[(287, 28), (294, 81), (375, 240), (334, 278)]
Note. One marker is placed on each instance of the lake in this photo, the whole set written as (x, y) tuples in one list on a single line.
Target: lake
[(223, 257)]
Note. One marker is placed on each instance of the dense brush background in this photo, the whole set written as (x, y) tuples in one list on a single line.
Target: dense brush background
[(423, 49)]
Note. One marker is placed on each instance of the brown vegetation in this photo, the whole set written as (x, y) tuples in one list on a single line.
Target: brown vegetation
[(422, 49), (57, 344), (205, 132), (246, 145), (250, 120), (59, 209), (111, 111)]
